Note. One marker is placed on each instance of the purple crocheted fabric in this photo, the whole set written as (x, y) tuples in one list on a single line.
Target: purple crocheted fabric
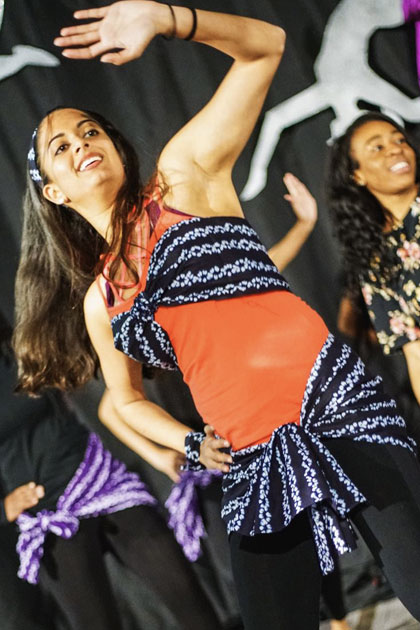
[(184, 511), (411, 10), (101, 485)]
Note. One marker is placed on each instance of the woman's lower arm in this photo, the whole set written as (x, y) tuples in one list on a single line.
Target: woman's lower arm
[(152, 422), (285, 250), (412, 356), (242, 38)]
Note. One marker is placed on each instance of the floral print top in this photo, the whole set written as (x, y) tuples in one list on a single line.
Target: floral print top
[(394, 307)]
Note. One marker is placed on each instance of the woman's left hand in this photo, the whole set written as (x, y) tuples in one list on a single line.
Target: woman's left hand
[(211, 455), (129, 26)]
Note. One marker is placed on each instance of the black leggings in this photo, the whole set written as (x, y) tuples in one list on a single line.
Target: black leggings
[(277, 575), (73, 571)]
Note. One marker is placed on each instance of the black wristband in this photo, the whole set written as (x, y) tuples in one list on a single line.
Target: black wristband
[(194, 25), (173, 31), (193, 442)]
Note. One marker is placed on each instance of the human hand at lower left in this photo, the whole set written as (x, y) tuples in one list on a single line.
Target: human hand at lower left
[(170, 462), (21, 499)]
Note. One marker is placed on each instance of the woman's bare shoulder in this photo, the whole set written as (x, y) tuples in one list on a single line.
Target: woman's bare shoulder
[(93, 304)]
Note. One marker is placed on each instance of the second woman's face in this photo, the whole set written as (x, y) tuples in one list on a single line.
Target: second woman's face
[(386, 162), (79, 159)]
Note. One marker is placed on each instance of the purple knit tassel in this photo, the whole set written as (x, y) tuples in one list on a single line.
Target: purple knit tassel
[(183, 506), (411, 10)]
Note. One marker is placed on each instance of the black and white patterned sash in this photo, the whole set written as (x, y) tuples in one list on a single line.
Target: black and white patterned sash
[(269, 484), (195, 260)]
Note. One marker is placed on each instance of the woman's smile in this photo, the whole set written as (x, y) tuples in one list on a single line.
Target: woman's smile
[(89, 162)]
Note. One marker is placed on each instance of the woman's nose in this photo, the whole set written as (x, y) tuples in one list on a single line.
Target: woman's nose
[(394, 148), (80, 144)]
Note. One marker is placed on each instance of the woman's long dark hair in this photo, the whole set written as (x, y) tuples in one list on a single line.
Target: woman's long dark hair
[(359, 218), (60, 257)]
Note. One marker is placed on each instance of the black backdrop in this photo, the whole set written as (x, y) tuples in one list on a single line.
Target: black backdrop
[(151, 98)]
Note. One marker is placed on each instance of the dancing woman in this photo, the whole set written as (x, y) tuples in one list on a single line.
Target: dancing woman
[(373, 194), (187, 283)]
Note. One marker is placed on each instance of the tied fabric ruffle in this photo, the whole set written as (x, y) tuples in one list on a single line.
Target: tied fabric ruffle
[(100, 485), (411, 10), (184, 510), (269, 484)]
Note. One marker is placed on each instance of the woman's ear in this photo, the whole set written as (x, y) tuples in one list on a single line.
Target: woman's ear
[(54, 194), (358, 178)]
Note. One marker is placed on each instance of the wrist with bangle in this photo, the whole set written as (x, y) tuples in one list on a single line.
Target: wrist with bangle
[(173, 33)]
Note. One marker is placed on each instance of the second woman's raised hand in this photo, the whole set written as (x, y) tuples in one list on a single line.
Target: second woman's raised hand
[(303, 203), (128, 26)]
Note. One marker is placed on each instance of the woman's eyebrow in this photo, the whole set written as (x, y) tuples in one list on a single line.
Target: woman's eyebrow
[(85, 120), (59, 135), (79, 124), (376, 137)]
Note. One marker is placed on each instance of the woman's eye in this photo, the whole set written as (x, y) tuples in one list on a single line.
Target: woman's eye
[(61, 148), (375, 148), (401, 140), (91, 132)]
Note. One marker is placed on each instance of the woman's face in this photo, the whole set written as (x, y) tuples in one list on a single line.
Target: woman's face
[(386, 162), (79, 159)]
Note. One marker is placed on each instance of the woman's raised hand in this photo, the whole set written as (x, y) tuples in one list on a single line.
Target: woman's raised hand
[(119, 33), (303, 204), (210, 454)]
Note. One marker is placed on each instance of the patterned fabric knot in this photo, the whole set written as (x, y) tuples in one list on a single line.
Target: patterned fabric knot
[(143, 308), (33, 531), (195, 260), (60, 523), (100, 485)]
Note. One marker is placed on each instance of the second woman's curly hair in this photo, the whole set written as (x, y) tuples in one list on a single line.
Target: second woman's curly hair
[(60, 256), (359, 218)]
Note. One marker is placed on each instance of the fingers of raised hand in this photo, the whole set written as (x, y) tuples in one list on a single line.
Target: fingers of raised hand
[(67, 31), (87, 14), (88, 52), (290, 181), (82, 39), (118, 58), (294, 185)]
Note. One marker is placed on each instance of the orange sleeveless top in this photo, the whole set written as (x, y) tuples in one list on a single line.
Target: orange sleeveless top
[(246, 359)]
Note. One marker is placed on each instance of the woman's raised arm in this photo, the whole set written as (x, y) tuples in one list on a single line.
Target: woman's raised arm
[(214, 138)]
